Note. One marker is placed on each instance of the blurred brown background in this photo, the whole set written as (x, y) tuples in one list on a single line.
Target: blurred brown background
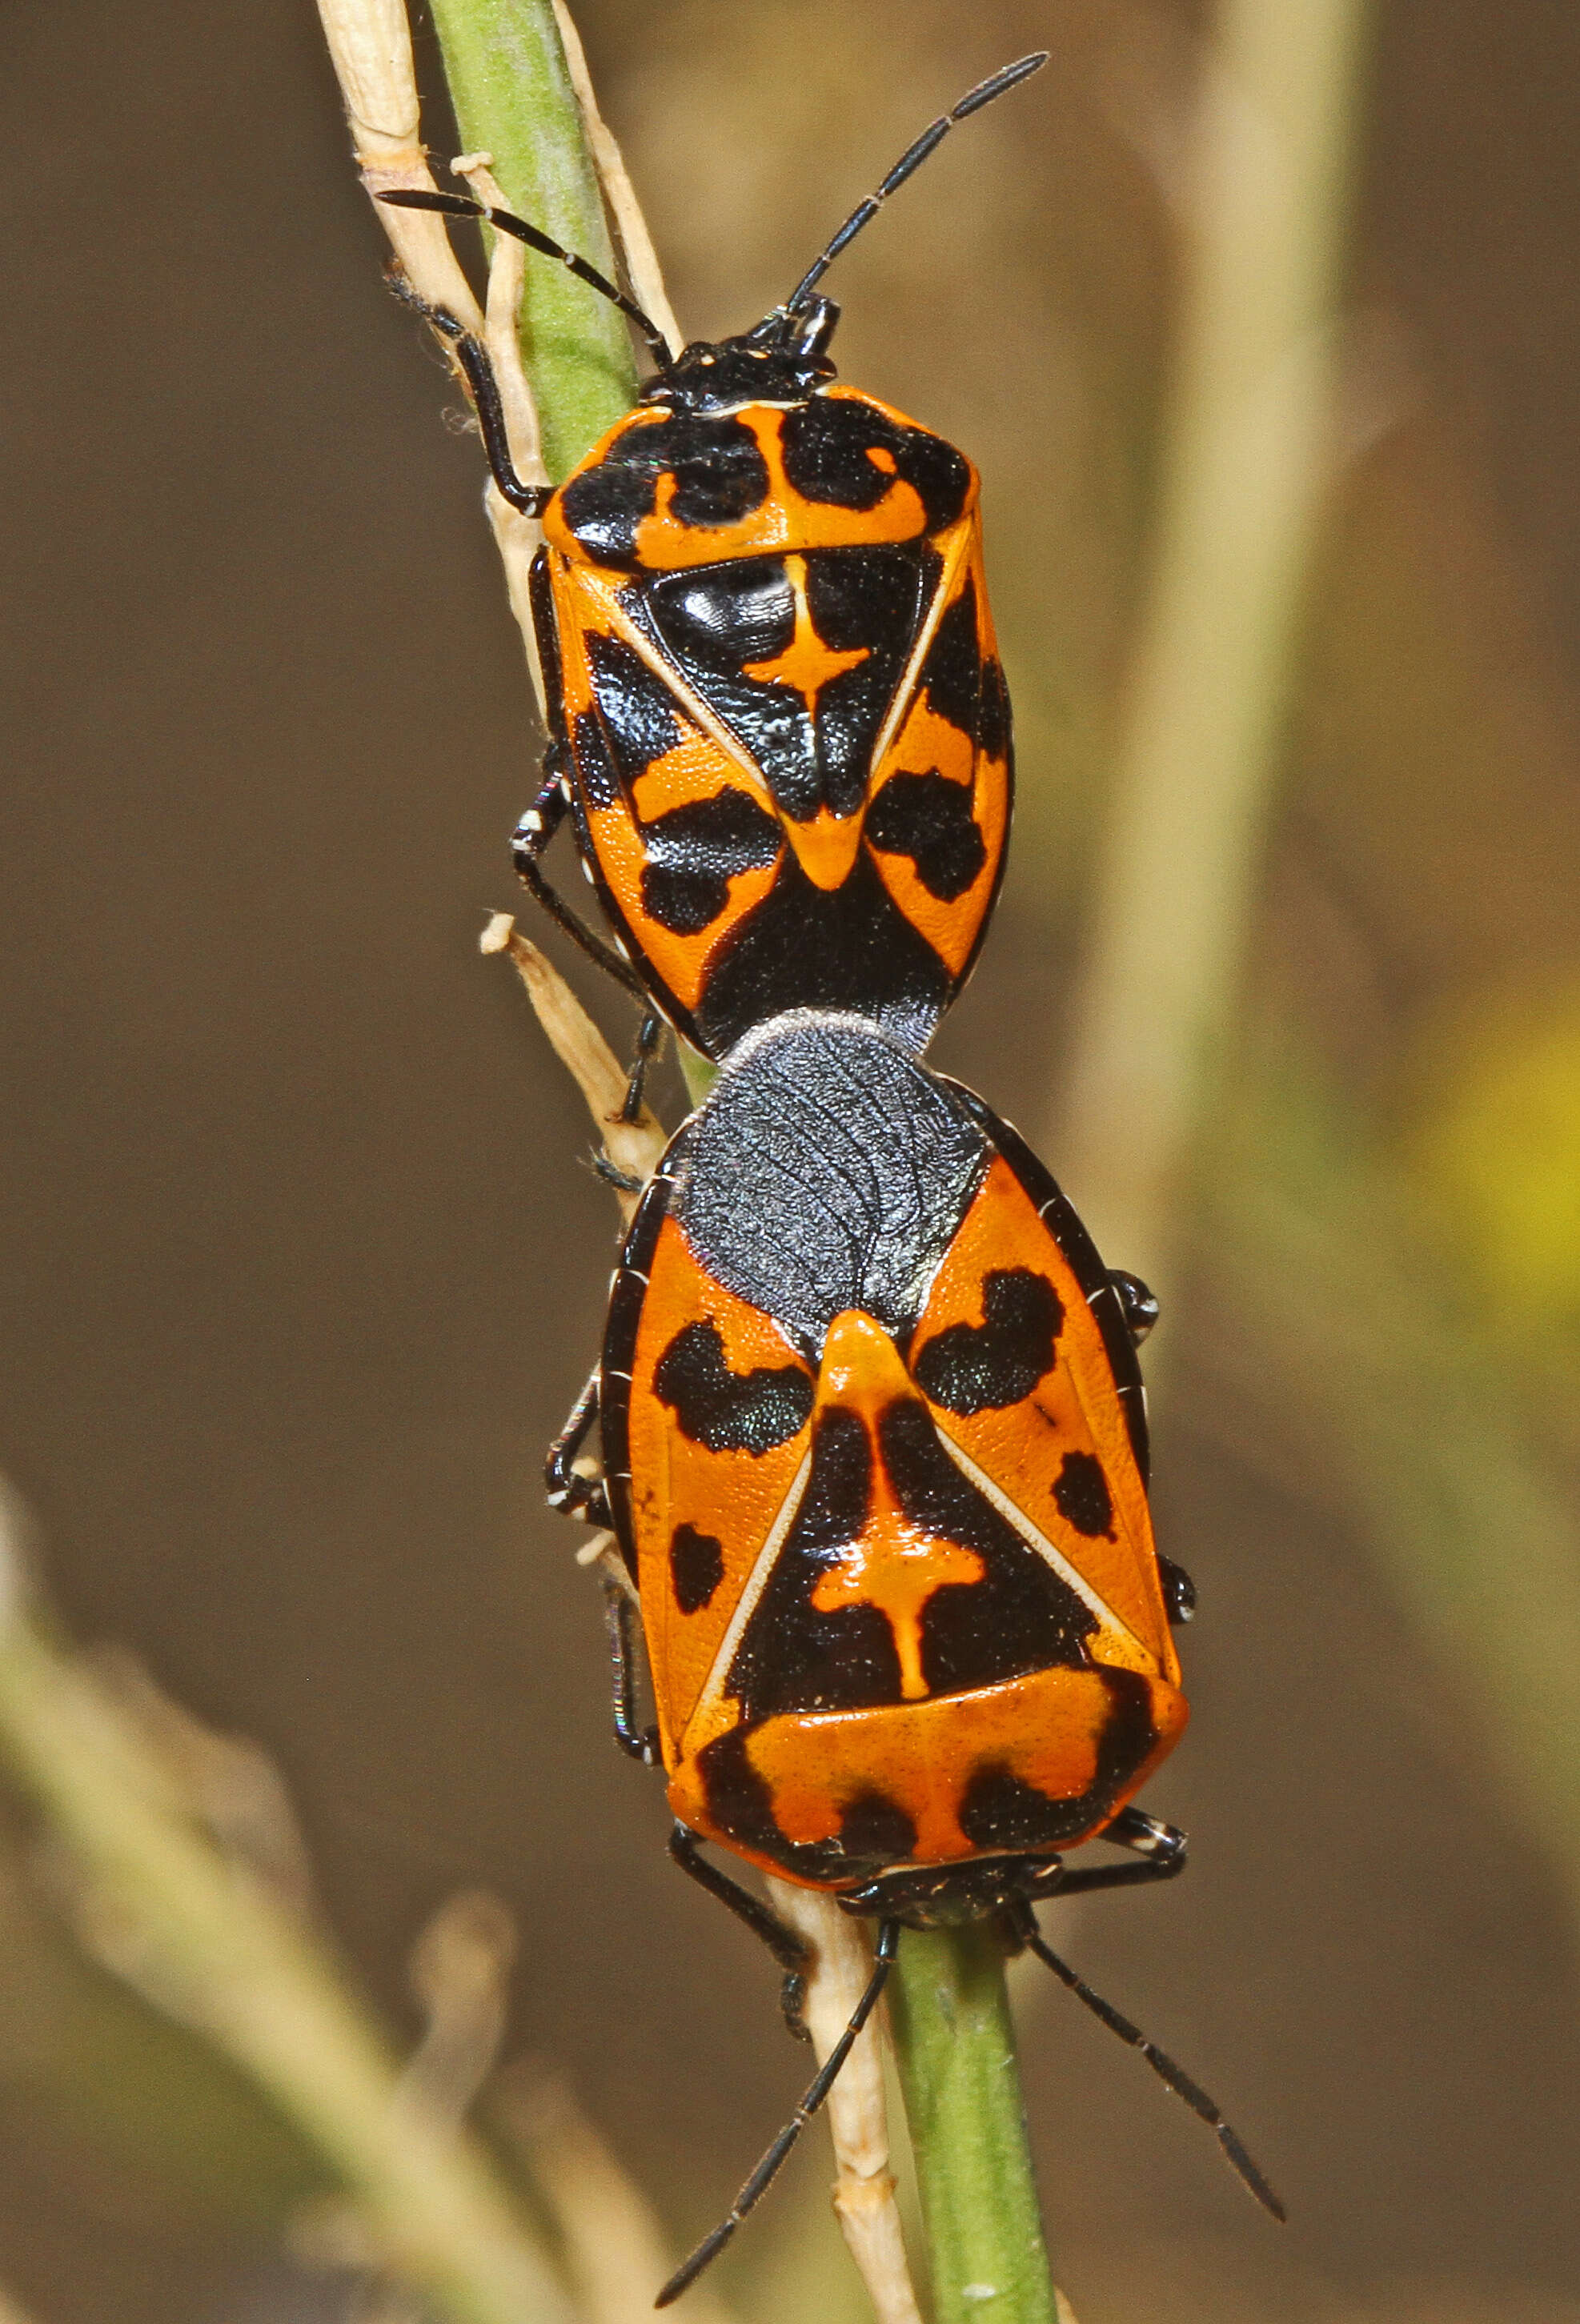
[(302, 1265)]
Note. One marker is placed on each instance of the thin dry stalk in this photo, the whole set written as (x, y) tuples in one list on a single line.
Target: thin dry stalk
[(370, 44), (864, 2191), (632, 1147)]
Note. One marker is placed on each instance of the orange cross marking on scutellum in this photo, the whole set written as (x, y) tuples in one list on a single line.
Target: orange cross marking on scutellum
[(806, 663)]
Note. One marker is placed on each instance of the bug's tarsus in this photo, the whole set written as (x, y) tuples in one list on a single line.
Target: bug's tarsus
[(1178, 1591), (817, 2091), (1161, 1847), (650, 1039), (569, 1491), (526, 865), (637, 1741), (415, 197), (788, 1951), (909, 162), (1173, 2076), (613, 1176), (472, 355)]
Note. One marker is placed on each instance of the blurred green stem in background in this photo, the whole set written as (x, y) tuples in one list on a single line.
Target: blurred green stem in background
[(1247, 459), (227, 1956), (955, 2044), (1346, 1327), (514, 100)]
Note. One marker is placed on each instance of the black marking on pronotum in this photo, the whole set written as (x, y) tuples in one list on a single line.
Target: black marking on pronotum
[(727, 1411), (970, 1368), (720, 476), (828, 443), (740, 1804), (1000, 1810), (1082, 1497)]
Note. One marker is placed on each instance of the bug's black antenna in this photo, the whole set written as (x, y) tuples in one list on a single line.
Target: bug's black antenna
[(909, 163), (461, 206), (818, 2090), (1164, 2067)]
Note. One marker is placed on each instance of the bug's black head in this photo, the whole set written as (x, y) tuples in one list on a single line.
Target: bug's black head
[(783, 360)]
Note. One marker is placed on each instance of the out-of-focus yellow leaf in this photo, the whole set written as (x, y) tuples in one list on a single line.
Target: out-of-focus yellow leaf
[(1495, 1150)]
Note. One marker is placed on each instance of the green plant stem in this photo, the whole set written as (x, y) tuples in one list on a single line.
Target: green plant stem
[(954, 2042), (226, 1956), (511, 87)]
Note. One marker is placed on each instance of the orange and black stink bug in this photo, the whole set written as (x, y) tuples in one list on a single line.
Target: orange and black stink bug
[(875, 1455), (778, 716)]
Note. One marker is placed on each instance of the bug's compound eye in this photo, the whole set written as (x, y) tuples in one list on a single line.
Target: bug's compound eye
[(1139, 1303), (1178, 1591)]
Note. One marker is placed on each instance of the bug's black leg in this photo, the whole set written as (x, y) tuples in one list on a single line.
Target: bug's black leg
[(640, 1742), (818, 2090), (1178, 1591), (1161, 1848), (478, 370), (787, 1950), (1137, 1300), (613, 1177), (1175, 2077), (648, 1041), (574, 1495), (548, 811), (528, 840)]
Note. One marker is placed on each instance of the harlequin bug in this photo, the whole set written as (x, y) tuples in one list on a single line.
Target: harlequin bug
[(778, 714), (875, 1456)]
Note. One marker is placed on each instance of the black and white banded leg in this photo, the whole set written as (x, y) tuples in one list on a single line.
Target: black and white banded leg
[(571, 1490), (817, 2091), (1160, 1847), (1174, 2076)]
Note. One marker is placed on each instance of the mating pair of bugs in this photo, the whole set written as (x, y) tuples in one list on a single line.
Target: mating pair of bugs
[(874, 1444)]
